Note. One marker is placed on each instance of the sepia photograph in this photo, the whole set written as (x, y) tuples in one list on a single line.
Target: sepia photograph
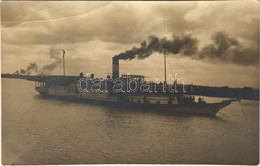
[(130, 82)]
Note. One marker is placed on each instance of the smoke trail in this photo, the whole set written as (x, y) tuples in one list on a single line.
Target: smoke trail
[(32, 67), (229, 50), (55, 54), (224, 48), (29, 69), (22, 71), (184, 44), (16, 72)]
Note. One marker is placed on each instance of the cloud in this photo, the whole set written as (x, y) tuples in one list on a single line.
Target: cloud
[(124, 22), (96, 31), (202, 10), (229, 50), (21, 12), (226, 16), (116, 22)]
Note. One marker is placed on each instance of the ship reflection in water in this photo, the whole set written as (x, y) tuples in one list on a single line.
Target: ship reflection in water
[(38, 130)]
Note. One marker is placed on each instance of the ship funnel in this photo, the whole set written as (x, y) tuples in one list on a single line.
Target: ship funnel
[(115, 66)]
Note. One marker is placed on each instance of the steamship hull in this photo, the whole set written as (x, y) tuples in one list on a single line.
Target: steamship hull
[(194, 108), (204, 109)]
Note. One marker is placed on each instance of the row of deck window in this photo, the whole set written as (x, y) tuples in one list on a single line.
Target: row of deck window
[(58, 87)]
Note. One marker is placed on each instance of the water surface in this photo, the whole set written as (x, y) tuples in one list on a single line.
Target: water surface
[(37, 130)]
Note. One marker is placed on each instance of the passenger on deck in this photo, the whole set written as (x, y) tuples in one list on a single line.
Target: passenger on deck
[(199, 99), (145, 99), (179, 99), (170, 100)]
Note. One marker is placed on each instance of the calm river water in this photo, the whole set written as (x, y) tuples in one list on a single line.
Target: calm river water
[(37, 130)]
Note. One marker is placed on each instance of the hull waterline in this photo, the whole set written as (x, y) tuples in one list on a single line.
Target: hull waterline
[(202, 109)]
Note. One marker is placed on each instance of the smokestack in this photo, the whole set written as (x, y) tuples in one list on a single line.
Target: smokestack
[(63, 62), (115, 67)]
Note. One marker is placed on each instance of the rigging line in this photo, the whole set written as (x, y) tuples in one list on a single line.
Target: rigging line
[(171, 68), (179, 65), (176, 65), (173, 74), (159, 66), (154, 67), (191, 74)]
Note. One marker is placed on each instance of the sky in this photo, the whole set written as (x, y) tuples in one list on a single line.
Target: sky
[(223, 35)]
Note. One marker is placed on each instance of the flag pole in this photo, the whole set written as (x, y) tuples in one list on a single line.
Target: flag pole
[(63, 62)]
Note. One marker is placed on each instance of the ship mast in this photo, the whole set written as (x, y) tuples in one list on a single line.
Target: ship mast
[(63, 62), (164, 52)]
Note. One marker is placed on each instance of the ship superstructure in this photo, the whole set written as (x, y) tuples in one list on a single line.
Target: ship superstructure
[(113, 92)]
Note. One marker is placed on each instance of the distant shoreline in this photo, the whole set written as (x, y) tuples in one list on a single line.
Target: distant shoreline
[(224, 91)]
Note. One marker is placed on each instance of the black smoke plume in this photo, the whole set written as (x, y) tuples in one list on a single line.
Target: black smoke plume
[(184, 44), (229, 50), (55, 56), (31, 67), (224, 48)]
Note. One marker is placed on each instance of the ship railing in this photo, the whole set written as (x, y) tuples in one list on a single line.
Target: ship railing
[(153, 100), (39, 84)]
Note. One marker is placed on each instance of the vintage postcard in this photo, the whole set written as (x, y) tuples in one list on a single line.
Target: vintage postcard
[(130, 82)]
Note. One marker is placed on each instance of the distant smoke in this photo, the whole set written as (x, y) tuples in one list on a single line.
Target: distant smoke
[(224, 48), (228, 49), (29, 69), (183, 44), (55, 55)]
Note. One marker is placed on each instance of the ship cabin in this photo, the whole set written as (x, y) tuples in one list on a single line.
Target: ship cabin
[(56, 84), (68, 87)]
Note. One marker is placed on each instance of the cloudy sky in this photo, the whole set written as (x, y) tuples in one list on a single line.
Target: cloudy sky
[(226, 35)]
